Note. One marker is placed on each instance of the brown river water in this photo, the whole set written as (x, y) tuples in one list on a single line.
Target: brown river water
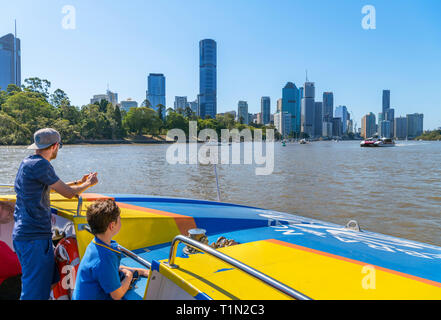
[(394, 191)]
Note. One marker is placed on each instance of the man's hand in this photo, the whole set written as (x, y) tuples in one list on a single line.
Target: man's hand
[(92, 179)]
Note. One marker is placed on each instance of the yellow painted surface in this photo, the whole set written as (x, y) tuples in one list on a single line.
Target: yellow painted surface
[(315, 275)]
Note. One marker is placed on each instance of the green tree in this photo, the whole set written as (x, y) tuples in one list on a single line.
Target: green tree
[(38, 85)]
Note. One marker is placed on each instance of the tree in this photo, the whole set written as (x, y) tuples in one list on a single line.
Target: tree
[(38, 85), (59, 98), (142, 120)]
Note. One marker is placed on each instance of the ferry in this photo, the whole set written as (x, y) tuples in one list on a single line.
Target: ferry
[(374, 142), (205, 250)]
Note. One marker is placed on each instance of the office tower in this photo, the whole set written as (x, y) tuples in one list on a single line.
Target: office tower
[(327, 129), (308, 107), (400, 128), (279, 105), (242, 112), (350, 126), (368, 126), (328, 106), (10, 61), (126, 105), (337, 127), (291, 105), (318, 119), (207, 78), (342, 113), (386, 100), (386, 129), (156, 91), (414, 125), (265, 103), (113, 97), (180, 103), (110, 96), (282, 122), (389, 115), (193, 105)]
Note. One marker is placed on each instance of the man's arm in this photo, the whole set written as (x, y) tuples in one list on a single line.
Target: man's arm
[(71, 191)]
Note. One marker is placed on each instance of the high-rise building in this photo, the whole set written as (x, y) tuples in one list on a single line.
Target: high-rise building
[(368, 126), (386, 100), (128, 104), (110, 96), (327, 129), (279, 105), (282, 122), (318, 119), (193, 105), (337, 127), (156, 91), (10, 61), (342, 113), (400, 128), (386, 129), (414, 125), (180, 103), (242, 112), (265, 116), (328, 106), (207, 78), (308, 108), (291, 105)]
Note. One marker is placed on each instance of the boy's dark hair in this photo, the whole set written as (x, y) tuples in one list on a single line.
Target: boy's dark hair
[(101, 213)]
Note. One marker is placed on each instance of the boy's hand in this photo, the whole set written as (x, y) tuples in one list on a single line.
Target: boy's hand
[(128, 274), (143, 273)]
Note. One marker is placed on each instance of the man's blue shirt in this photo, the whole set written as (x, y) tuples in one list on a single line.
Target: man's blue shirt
[(32, 209), (98, 274)]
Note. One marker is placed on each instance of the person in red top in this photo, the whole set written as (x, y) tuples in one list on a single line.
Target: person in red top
[(10, 269)]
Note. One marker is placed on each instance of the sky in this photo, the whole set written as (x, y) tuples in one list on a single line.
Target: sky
[(262, 45)]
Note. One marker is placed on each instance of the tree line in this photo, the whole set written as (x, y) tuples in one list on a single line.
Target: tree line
[(26, 109)]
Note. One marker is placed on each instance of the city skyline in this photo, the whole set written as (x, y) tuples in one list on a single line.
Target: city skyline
[(246, 74)]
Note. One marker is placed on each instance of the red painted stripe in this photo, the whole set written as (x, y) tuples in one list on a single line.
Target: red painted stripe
[(330, 255)]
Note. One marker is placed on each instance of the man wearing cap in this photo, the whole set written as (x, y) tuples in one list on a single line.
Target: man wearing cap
[(32, 234)]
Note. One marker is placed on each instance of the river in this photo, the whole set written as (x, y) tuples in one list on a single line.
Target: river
[(394, 191)]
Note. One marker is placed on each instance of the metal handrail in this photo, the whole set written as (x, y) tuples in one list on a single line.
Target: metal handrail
[(6, 186), (123, 250), (239, 265)]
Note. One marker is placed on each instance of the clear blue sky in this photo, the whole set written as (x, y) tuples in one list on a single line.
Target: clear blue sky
[(262, 45)]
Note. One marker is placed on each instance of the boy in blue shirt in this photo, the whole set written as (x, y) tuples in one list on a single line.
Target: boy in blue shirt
[(98, 275)]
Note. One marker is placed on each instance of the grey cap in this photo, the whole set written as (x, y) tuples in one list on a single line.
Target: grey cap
[(45, 138)]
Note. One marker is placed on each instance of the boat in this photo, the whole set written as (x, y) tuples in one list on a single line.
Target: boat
[(375, 142), (205, 250), (303, 141)]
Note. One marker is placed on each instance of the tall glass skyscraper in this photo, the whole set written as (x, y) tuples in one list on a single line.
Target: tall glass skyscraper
[(342, 113), (207, 78), (265, 103), (156, 91), (386, 100), (328, 106), (291, 105), (10, 61), (308, 109)]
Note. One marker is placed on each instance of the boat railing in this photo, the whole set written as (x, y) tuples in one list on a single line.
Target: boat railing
[(123, 250), (235, 263)]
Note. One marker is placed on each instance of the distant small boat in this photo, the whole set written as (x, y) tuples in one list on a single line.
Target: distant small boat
[(303, 141)]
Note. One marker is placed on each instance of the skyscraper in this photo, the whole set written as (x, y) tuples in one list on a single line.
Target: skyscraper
[(265, 103), (318, 119), (414, 125), (156, 91), (386, 100), (400, 128), (10, 61), (342, 113), (308, 108), (242, 112), (368, 126), (328, 106), (291, 105), (180, 103), (207, 78)]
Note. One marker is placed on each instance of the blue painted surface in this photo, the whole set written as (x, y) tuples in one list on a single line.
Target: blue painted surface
[(247, 224)]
